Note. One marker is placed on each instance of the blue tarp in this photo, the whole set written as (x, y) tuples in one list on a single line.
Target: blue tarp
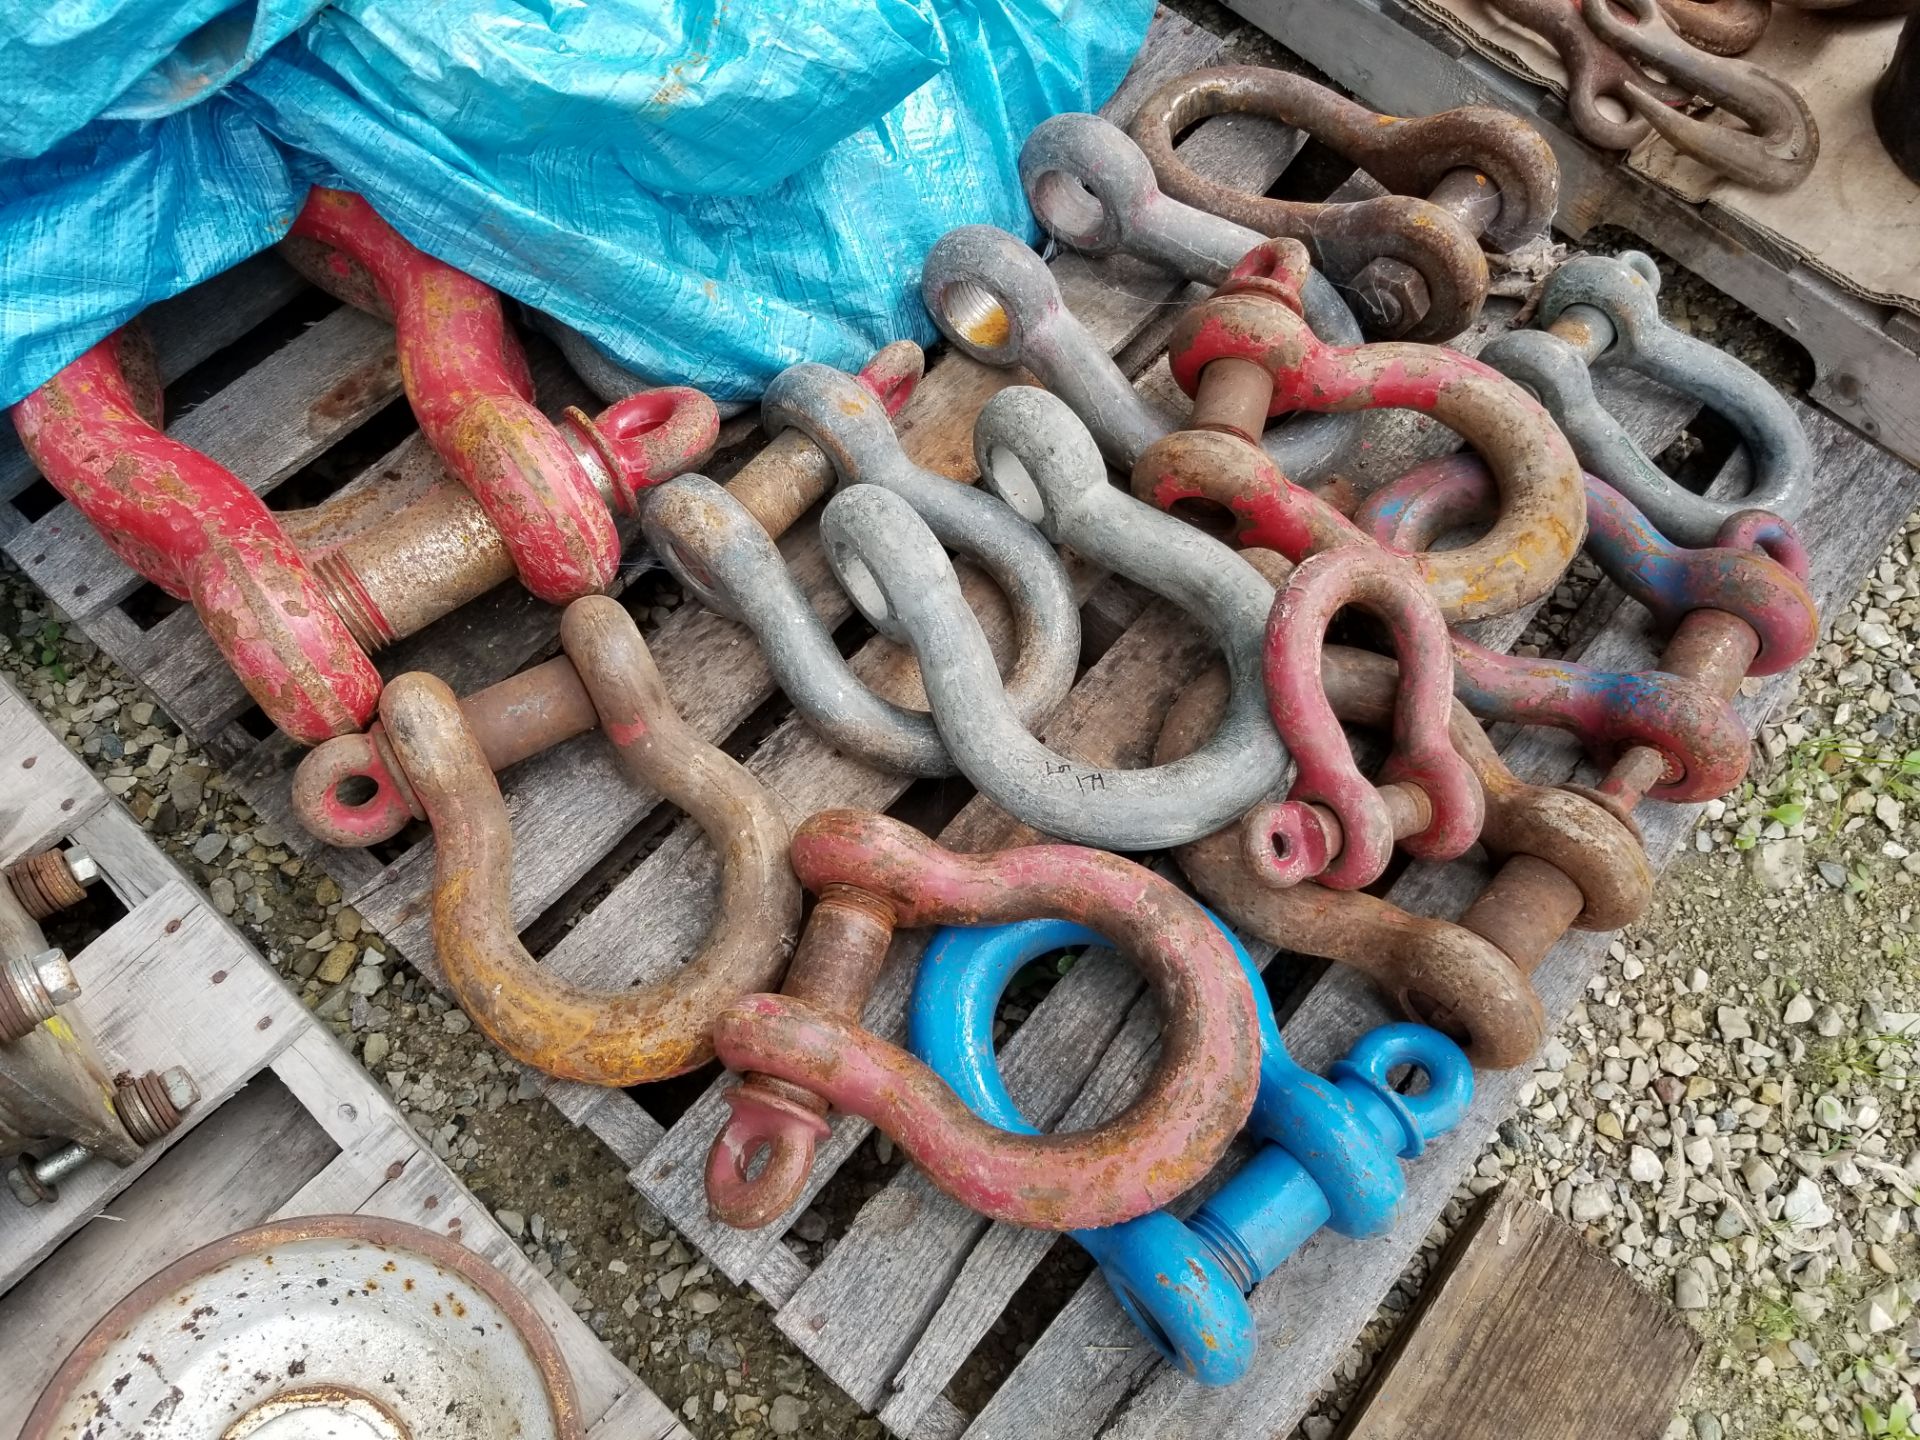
[(711, 191)]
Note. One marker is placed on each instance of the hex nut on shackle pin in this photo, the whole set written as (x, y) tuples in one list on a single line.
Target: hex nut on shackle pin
[(32, 987)]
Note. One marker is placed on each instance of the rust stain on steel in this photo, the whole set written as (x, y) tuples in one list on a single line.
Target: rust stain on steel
[(805, 1051), (447, 1256), (1436, 972), (1255, 317), (191, 526), (1422, 256), (629, 1036)]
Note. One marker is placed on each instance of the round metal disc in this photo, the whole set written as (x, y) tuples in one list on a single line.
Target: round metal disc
[(332, 1325)]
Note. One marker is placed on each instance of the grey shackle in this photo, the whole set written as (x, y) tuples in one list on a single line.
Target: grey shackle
[(1094, 191), (1037, 457), (1608, 310), (996, 300), (724, 558)]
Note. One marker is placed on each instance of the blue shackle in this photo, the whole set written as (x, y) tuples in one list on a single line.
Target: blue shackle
[(1327, 1157)]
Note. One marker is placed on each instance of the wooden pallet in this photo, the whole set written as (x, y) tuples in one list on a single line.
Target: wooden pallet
[(288, 1123), (905, 1297), (1866, 356)]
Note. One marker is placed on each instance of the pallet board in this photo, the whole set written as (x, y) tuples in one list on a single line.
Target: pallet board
[(1866, 356), (906, 1295), (288, 1122), (1524, 1325)]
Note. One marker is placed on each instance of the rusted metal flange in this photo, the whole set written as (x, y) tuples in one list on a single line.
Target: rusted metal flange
[(341, 1325)]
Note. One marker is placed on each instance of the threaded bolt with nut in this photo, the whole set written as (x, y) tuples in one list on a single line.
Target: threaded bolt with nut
[(52, 880), (32, 987), (36, 1182), (150, 1105)]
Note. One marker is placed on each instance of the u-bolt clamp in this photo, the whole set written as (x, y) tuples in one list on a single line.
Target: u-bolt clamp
[(1244, 354), (297, 600), (1413, 266), (1598, 311), (723, 557), (998, 302), (1336, 826), (1327, 1154), (1436, 972), (804, 1052), (1036, 456), (1756, 574), (625, 1037), (542, 485)]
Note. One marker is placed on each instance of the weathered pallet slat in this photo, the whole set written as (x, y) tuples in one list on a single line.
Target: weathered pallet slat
[(1523, 1324), (288, 1123)]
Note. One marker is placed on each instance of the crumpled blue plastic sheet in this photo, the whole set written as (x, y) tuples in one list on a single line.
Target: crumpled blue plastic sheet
[(709, 191)]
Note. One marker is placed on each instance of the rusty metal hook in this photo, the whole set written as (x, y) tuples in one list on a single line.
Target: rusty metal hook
[(1775, 152), (630, 1036), (997, 301), (1413, 266), (804, 1051), (1335, 826), (1594, 72), (1244, 354)]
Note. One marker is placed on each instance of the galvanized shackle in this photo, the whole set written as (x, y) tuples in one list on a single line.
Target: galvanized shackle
[(1093, 190), (1777, 149), (733, 567), (1244, 354), (1335, 825), (1413, 266), (1035, 455), (1326, 1156), (466, 377), (624, 1037), (1596, 311), (804, 1052), (997, 301), (1755, 568)]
